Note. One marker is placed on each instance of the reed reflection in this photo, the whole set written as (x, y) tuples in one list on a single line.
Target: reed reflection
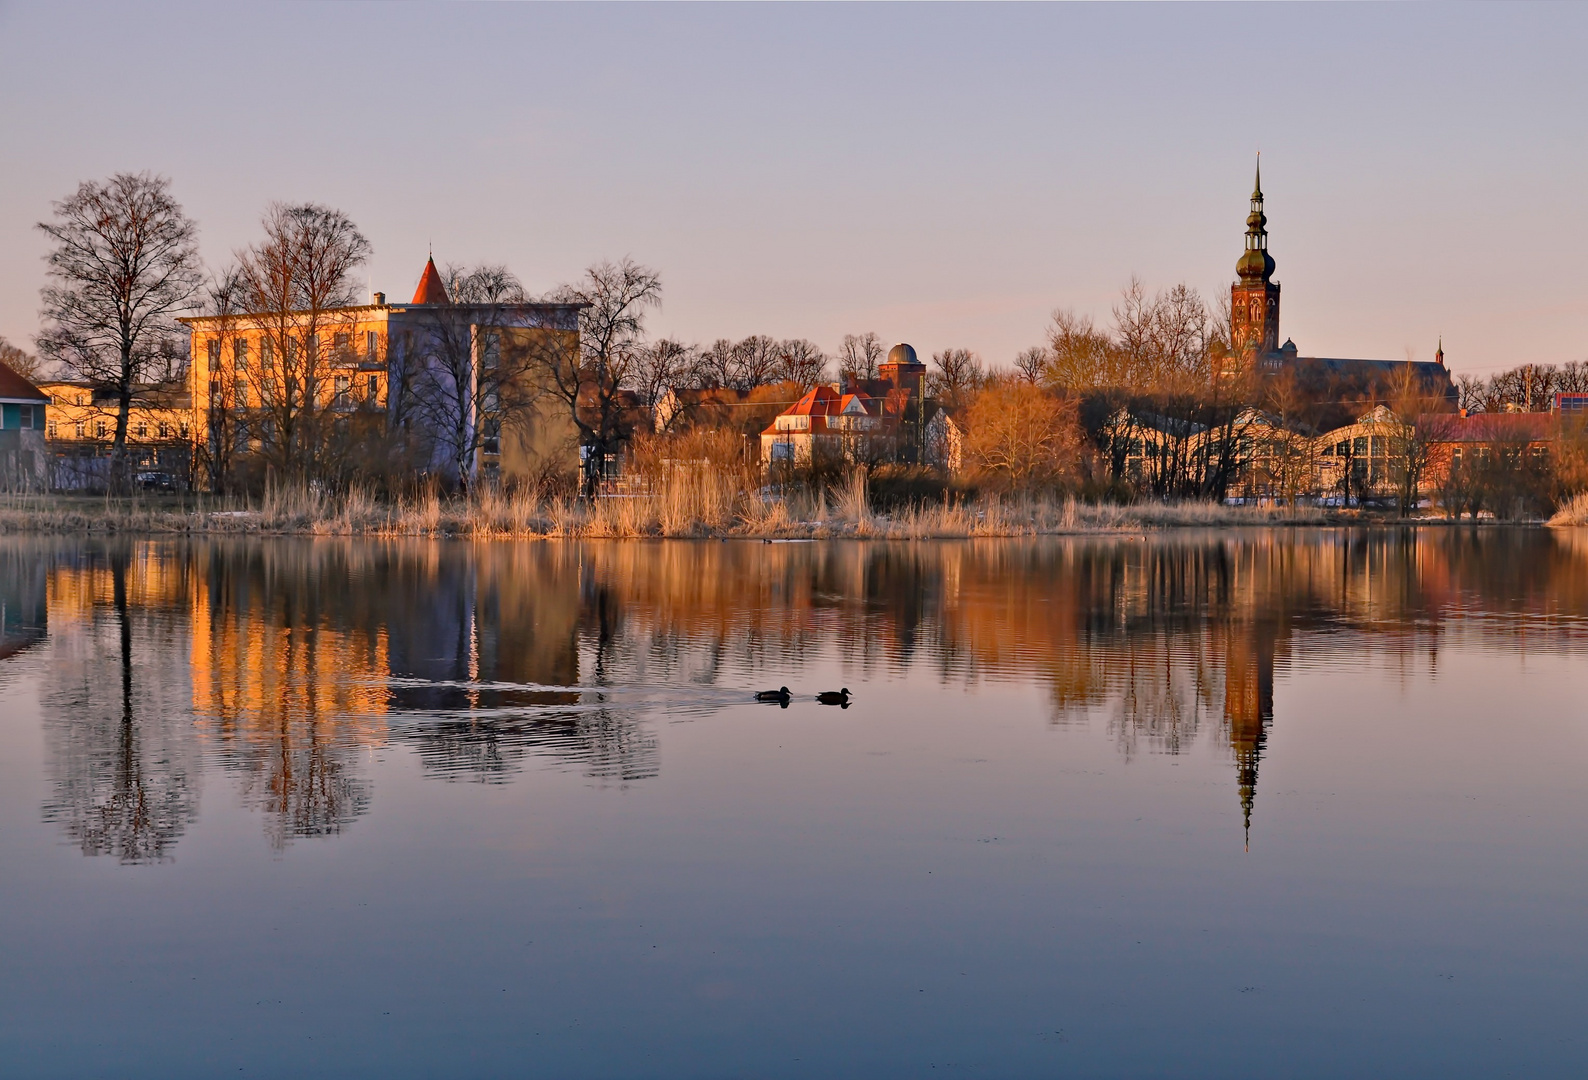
[(287, 662)]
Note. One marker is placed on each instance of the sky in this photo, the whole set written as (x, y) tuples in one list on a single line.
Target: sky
[(942, 174)]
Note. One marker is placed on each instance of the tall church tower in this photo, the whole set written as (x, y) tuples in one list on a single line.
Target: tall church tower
[(1254, 298)]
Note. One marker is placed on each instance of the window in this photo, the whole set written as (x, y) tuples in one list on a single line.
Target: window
[(267, 352), (374, 387), (143, 431), (165, 430), (215, 352), (343, 385), (79, 427), (242, 393), (182, 432), (371, 345), (343, 344), (490, 350), (240, 354), (491, 436), (54, 432), (99, 429)]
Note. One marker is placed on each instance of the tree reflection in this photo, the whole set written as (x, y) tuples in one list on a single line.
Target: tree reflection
[(121, 752), (292, 659)]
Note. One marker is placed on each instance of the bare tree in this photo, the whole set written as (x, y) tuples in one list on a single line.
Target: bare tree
[(21, 361), (859, 356), (224, 300), (959, 373), (125, 262), (800, 361), (1022, 433), (1031, 364), (664, 365), (1082, 358), (467, 368), (756, 362), (296, 281), (1469, 392), (614, 299), (487, 283)]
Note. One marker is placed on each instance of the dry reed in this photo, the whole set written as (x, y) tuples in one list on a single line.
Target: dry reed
[(694, 503)]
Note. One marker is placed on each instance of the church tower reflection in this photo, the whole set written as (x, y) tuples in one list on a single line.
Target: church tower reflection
[(1249, 704)]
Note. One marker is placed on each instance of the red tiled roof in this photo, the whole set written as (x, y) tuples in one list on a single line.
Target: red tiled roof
[(14, 387), (822, 401), (431, 290)]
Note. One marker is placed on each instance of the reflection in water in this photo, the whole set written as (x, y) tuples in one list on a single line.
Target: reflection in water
[(122, 752), (287, 662)]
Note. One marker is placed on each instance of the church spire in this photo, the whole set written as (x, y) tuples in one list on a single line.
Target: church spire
[(1439, 354), (1255, 263)]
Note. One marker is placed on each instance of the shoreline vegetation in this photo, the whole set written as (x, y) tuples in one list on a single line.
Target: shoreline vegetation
[(691, 510)]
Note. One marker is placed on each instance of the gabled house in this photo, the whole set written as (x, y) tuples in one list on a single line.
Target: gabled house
[(824, 428)]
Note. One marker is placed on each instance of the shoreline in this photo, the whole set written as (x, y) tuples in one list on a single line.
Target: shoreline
[(498, 518)]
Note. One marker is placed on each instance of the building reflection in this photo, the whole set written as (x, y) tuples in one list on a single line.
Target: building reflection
[(24, 601), (289, 663)]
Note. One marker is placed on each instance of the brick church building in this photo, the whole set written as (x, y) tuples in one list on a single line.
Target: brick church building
[(1254, 335)]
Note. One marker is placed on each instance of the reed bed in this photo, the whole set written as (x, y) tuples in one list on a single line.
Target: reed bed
[(695, 505), (1574, 511)]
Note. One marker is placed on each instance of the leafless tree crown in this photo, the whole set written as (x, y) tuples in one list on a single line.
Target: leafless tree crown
[(125, 262)]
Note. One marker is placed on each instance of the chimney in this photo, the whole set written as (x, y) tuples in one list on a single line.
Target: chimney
[(378, 299)]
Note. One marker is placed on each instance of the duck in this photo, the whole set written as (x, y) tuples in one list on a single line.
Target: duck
[(779, 696), (834, 697)]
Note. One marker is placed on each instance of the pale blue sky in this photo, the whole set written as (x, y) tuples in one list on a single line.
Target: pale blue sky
[(941, 174)]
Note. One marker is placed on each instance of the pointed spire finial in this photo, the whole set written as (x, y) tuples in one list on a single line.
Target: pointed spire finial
[(1257, 184)]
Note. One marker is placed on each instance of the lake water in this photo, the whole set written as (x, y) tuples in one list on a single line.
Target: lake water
[(1304, 803)]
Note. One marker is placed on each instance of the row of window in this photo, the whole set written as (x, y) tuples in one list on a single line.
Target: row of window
[(341, 346), (342, 389), (102, 430)]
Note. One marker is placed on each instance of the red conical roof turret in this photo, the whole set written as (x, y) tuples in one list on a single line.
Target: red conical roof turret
[(431, 290)]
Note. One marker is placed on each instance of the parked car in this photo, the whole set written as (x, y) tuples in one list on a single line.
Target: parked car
[(156, 481)]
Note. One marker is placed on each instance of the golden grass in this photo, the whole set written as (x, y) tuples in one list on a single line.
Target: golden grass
[(693, 505), (1574, 511)]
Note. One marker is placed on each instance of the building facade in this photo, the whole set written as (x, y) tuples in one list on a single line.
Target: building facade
[(23, 416), (452, 376)]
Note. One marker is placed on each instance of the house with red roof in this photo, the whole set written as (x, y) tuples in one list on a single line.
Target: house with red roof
[(854, 421), (826, 427)]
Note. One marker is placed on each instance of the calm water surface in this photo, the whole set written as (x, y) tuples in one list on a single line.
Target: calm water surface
[(1233, 804)]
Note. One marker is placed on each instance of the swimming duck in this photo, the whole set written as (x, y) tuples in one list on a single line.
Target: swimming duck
[(780, 696), (834, 697)]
